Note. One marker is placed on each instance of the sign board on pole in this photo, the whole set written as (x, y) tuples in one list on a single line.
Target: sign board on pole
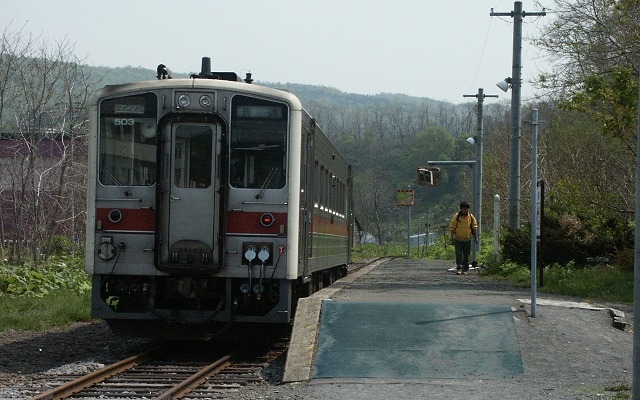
[(404, 197)]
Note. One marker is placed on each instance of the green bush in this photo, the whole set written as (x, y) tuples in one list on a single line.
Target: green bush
[(624, 259), (62, 246), (61, 272), (44, 296), (566, 239)]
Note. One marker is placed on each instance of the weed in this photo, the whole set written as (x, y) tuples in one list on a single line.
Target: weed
[(621, 390)]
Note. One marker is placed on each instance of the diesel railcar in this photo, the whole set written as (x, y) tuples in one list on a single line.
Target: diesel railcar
[(210, 200)]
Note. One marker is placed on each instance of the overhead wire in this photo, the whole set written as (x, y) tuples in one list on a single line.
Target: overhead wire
[(484, 46)]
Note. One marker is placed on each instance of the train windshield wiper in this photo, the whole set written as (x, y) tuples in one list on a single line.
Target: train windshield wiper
[(118, 184), (260, 147), (267, 180)]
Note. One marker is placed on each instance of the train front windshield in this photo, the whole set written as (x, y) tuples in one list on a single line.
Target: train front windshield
[(128, 141), (258, 143)]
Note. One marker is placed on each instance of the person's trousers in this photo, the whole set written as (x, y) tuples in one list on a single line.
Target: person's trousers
[(463, 248)]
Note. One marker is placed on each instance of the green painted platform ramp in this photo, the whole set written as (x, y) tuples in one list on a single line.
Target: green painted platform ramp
[(416, 341)]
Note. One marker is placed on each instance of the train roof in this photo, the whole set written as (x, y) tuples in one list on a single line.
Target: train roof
[(197, 83)]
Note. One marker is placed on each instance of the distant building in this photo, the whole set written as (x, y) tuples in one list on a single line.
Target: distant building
[(419, 240), (367, 238)]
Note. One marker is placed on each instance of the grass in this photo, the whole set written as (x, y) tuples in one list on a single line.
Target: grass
[(598, 283), (56, 309), (592, 283)]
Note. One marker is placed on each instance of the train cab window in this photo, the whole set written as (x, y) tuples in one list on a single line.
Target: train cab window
[(258, 143), (192, 158), (127, 142)]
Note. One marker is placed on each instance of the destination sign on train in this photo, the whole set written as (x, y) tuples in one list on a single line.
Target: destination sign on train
[(259, 112), (129, 108)]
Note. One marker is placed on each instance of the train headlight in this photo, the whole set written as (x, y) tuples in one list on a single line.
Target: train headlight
[(205, 101), (184, 101), (115, 216)]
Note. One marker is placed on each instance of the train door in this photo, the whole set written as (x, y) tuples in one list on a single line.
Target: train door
[(191, 209)]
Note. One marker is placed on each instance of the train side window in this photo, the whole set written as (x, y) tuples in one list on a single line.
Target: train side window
[(258, 143), (327, 184), (321, 187)]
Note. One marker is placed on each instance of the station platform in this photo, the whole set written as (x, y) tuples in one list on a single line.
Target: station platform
[(403, 319), (416, 341)]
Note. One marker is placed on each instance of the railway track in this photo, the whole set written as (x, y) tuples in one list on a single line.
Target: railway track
[(174, 372)]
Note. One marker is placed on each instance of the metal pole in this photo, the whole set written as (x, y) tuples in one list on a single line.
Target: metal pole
[(409, 234), (477, 184), (534, 209), (636, 268), (477, 205)]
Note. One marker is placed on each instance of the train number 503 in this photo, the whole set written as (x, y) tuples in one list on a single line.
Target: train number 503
[(124, 121)]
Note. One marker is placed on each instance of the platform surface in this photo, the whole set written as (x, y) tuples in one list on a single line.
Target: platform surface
[(398, 340)]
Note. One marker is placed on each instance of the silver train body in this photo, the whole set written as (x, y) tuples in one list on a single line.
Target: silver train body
[(209, 201)]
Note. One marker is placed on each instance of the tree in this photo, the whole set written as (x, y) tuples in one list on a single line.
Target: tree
[(595, 48), (375, 195), (44, 93), (588, 145)]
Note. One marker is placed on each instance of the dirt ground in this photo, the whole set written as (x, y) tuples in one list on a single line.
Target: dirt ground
[(24, 355)]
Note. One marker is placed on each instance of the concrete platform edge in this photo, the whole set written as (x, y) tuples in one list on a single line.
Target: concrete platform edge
[(305, 327)]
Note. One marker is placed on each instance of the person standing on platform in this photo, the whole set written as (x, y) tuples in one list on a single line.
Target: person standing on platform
[(463, 228)]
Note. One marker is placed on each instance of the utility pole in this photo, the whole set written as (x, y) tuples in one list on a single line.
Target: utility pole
[(516, 97), (636, 267), (477, 180)]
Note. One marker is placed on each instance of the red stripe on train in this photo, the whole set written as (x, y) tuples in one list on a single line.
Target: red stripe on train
[(132, 219), (248, 222)]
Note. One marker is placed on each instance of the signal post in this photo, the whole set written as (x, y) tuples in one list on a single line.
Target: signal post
[(405, 197)]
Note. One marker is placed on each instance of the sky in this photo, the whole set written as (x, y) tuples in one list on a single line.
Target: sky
[(440, 49)]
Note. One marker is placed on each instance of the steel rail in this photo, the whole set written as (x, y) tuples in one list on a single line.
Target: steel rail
[(189, 384), (77, 385)]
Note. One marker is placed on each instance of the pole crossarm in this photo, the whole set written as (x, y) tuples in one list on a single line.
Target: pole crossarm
[(480, 96), (523, 14), (470, 163)]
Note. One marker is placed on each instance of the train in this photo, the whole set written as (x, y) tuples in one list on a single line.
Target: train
[(211, 201)]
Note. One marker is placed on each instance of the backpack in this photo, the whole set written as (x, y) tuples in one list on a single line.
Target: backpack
[(472, 222)]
